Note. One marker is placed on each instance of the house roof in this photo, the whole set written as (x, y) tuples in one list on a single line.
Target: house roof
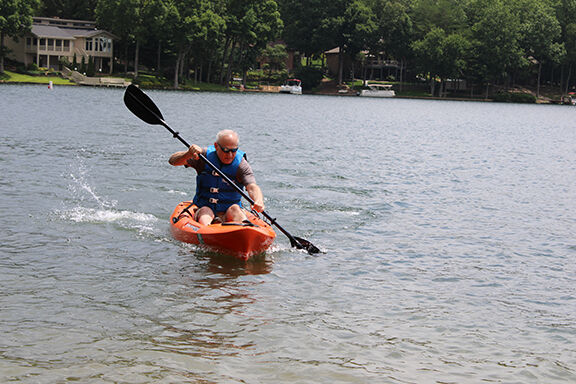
[(55, 32)]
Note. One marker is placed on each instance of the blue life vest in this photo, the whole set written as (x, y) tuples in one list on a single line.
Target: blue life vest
[(212, 190)]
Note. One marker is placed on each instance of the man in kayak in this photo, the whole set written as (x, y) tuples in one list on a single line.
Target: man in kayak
[(214, 196)]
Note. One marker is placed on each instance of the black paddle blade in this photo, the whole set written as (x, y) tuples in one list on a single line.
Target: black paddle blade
[(301, 243), (141, 105)]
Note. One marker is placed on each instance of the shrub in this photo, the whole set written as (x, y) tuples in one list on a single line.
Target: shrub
[(311, 77), (514, 97), (64, 62), (517, 97), (261, 76), (90, 68)]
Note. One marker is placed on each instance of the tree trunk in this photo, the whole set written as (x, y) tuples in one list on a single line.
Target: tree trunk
[(226, 47), (402, 63), (177, 68), (185, 66), (126, 59), (340, 65), (568, 78), (182, 65), (230, 63), (539, 75), (1, 51), (561, 78), (209, 72), (158, 57), (136, 58)]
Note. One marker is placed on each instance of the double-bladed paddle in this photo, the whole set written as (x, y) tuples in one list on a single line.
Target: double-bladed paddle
[(142, 106)]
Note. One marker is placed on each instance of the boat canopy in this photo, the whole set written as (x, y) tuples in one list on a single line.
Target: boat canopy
[(387, 86)]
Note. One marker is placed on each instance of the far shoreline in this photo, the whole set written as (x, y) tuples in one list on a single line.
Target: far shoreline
[(45, 81)]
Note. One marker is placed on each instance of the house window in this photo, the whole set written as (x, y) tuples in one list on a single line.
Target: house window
[(50, 44), (102, 44), (89, 44), (66, 44), (106, 44), (28, 42), (58, 45), (42, 44)]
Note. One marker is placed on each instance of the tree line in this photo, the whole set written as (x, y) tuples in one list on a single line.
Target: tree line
[(486, 42)]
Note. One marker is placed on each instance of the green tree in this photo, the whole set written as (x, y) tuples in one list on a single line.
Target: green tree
[(124, 18), (394, 30), (250, 26), (302, 26), (566, 15), (90, 69), (69, 9), (15, 20), (540, 33), (194, 23), (276, 56), (496, 41), (448, 15), (350, 25), (442, 55)]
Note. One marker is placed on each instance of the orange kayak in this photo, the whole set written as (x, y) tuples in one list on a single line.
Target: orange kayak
[(241, 240)]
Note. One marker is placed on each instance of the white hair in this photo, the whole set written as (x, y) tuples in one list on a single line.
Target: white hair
[(225, 132)]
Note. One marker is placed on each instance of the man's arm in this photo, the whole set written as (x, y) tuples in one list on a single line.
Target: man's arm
[(182, 157), (255, 193)]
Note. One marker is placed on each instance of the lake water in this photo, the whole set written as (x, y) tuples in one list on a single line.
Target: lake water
[(449, 231)]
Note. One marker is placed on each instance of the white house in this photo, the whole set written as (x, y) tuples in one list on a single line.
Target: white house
[(52, 39)]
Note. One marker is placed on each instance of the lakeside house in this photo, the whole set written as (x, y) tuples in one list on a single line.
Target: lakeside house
[(52, 39), (373, 67)]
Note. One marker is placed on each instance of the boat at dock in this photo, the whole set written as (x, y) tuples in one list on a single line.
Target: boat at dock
[(377, 90), (292, 86)]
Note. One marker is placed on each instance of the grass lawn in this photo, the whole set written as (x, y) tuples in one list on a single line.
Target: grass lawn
[(12, 77), (147, 80)]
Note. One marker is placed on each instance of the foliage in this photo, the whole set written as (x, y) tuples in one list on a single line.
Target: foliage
[(311, 77), (276, 56), (68, 9), (15, 20), (269, 77), (515, 97), (90, 69), (441, 54), (303, 25)]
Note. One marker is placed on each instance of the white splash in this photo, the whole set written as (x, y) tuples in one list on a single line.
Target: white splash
[(96, 209), (91, 215)]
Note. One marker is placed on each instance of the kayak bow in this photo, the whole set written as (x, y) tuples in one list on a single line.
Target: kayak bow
[(241, 240)]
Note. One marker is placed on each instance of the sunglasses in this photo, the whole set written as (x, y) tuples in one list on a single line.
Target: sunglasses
[(228, 150)]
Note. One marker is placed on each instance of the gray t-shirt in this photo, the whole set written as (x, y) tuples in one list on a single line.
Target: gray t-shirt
[(244, 175)]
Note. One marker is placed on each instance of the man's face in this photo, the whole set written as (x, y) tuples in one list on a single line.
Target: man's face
[(226, 148)]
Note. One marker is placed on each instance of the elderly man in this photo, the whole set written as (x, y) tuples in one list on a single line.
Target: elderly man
[(214, 196)]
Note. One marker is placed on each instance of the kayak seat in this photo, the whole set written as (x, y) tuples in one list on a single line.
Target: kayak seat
[(245, 223)]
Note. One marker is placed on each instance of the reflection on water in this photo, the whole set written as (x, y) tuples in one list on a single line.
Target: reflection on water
[(229, 266), (207, 315)]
